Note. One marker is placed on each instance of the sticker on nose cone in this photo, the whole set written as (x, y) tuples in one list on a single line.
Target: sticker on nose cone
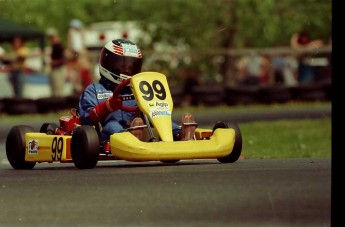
[(162, 105), (160, 113)]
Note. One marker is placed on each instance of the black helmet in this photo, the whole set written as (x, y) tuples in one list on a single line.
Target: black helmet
[(119, 60)]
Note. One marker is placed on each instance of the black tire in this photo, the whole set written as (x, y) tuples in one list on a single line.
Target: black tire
[(209, 95), (15, 147), (20, 106), (2, 106), (237, 149), (85, 147), (169, 161), (72, 101), (177, 95), (274, 94), (51, 104), (241, 95), (308, 92), (49, 128)]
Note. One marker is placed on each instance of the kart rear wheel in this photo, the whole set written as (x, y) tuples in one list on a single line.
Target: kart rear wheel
[(85, 147), (15, 147), (237, 149), (49, 128), (169, 161)]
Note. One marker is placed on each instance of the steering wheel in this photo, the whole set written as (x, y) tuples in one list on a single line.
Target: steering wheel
[(116, 96)]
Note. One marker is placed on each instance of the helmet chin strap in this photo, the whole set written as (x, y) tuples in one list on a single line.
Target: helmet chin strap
[(124, 75), (111, 76)]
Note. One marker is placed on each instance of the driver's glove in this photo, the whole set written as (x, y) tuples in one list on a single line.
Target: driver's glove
[(100, 111)]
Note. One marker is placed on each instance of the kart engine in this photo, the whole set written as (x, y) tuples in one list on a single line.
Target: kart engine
[(67, 124)]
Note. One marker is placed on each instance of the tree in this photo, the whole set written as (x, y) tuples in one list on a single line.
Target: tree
[(200, 25)]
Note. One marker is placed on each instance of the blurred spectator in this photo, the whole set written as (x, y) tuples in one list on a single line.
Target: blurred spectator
[(18, 66), (325, 72), (78, 68), (253, 70), (302, 41), (2, 53), (85, 73), (80, 74), (265, 70), (285, 70), (75, 39), (57, 63)]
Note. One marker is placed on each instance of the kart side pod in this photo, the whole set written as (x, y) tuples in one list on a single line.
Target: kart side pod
[(128, 147)]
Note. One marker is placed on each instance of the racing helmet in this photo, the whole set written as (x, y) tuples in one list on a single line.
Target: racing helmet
[(120, 59)]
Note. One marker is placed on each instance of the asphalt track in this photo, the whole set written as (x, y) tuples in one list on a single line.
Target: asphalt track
[(280, 192), (267, 192)]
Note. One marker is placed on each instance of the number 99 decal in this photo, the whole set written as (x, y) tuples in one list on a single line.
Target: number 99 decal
[(57, 147), (157, 89)]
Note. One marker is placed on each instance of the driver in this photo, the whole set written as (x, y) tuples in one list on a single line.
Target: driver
[(120, 59)]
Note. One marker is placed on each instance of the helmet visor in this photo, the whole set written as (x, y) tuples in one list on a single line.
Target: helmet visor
[(120, 64)]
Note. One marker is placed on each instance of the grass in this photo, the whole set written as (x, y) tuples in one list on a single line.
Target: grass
[(257, 107), (262, 139), (281, 138), (287, 139)]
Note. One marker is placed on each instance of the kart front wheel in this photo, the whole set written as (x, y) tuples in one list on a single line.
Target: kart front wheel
[(49, 128), (15, 147), (237, 149), (85, 147)]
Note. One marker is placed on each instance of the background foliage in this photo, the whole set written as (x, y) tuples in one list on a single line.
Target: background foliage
[(198, 23), (200, 26)]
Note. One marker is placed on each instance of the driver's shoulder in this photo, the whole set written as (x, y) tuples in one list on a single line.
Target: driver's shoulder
[(96, 88)]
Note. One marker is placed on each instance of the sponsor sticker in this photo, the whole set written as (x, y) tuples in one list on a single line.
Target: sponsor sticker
[(159, 106), (33, 147), (104, 95), (162, 105), (160, 113), (130, 50)]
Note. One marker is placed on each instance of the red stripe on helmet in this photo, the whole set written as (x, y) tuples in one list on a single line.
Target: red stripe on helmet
[(118, 50)]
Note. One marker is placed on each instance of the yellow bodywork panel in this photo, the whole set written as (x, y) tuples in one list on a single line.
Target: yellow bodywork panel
[(128, 147), (203, 133), (41, 147), (151, 91)]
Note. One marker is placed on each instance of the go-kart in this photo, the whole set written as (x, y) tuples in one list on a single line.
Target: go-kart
[(73, 142)]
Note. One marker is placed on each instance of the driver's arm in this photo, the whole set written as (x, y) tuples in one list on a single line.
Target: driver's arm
[(93, 110), (101, 110)]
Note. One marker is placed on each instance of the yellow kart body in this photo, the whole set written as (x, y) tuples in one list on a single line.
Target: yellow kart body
[(151, 91), (47, 148), (125, 146), (128, 147)]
